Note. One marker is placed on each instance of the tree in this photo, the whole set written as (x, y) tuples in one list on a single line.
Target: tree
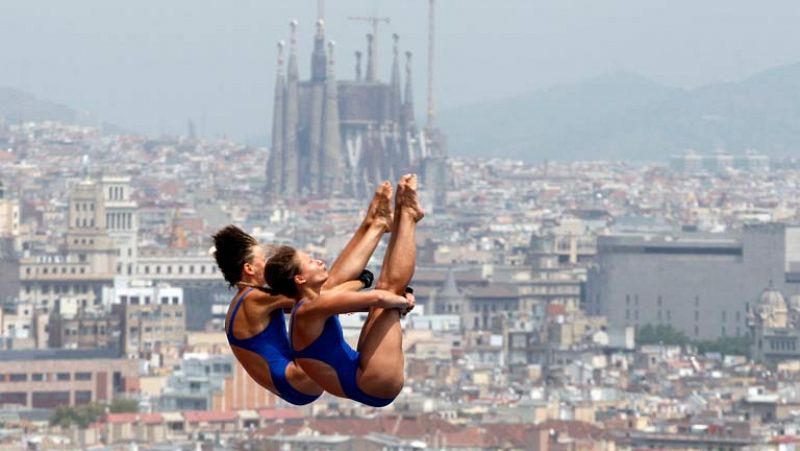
[(122, 405), (660, 334), (663, 334), (726, 346), (82, 416)]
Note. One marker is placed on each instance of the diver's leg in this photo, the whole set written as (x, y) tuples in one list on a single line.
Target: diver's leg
[(381, 346)]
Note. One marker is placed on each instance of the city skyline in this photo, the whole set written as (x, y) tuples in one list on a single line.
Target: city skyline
[(534, 46)]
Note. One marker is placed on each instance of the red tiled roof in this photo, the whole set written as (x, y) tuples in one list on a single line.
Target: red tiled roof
[(197, 416), (472, 437), (574, 429), (281, 414), (274, 429), (555, 309), (785, 439), (403, 426), (146, 418)]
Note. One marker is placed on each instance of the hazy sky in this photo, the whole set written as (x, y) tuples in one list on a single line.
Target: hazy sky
[(151, 64)]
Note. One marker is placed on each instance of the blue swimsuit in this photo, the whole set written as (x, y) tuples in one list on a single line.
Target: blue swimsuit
[(272, 344), (331, 348)]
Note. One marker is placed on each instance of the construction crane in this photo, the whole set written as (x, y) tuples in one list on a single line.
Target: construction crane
[(431, 34), (374, 21)]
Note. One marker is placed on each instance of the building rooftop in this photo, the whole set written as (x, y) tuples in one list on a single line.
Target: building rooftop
[(21, 355)]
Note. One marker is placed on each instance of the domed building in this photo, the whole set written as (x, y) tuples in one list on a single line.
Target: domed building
[(771, 309), (774, 328)]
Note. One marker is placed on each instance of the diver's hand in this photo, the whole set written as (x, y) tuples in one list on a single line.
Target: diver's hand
[(389, 300), (412, 302)]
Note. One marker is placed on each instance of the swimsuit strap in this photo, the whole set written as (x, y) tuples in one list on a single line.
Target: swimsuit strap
[(291, 322), (235, 311)]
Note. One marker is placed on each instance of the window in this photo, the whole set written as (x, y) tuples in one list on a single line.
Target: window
[(49, 399), (14, 398), (37, 377), (83, 397), (83, 376), (175, 300), (63, 376), (18, 377)]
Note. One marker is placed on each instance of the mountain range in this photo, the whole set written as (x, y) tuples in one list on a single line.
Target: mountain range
[(19, 106), (626, 116), (619, 116)]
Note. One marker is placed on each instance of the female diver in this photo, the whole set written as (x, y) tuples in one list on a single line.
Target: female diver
[(373, 373), (255, 324)]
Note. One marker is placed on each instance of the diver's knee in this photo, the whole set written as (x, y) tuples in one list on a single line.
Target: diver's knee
[(384, 384)]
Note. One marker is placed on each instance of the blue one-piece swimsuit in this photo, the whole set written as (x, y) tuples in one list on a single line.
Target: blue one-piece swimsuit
[(272, 344), (331, 348)]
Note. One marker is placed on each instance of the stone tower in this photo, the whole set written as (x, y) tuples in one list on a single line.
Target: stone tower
[(341, 137)]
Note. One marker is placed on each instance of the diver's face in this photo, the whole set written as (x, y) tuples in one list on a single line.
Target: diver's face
[(313, 271)]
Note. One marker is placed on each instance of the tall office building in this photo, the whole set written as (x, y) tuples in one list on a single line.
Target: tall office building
[(706, 285)]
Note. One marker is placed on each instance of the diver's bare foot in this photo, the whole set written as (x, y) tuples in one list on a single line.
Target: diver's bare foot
[(406, 199), (380, 209)]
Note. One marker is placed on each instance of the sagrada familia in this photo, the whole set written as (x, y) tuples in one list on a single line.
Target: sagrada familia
[(342, 137)]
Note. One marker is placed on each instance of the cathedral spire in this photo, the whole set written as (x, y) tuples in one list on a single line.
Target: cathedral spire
[(408, 105), (358, 65), (331, 138), (318, 58), (396, 93), (275, 162), (370, 60), (290, 155)]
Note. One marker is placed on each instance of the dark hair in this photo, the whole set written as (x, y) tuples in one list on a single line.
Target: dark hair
[(234, 248), (280, 271)]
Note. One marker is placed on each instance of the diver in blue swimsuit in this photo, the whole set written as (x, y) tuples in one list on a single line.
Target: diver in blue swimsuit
[(255, 326), (272, 345), (371, 374)]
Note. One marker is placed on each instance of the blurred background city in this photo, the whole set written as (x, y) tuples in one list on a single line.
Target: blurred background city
[(610, 257)]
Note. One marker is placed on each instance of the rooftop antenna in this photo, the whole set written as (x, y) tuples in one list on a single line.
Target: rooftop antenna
[(374, 21)]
